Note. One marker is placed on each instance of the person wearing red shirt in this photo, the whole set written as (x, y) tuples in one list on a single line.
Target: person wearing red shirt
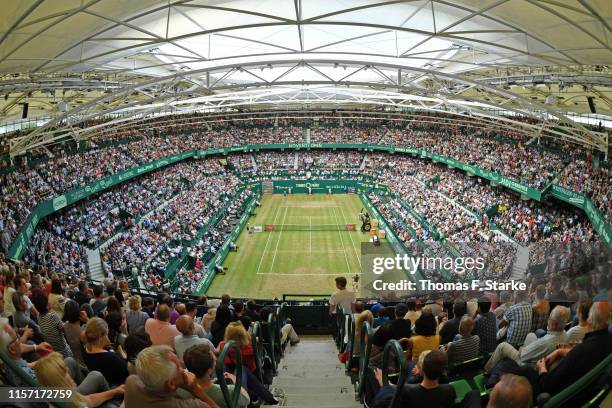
[(236, 331)]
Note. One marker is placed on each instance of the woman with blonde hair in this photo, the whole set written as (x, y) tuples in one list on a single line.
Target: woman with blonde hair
[(93, 391), (97, 355), (365, 316), (134, 316), (236, 331), (209, 318)]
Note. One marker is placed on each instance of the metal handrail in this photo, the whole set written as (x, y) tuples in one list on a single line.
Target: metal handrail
[(258, 350), (272, 340), (366, 330), (350, 345), (394, 347), (231, 400), (277, 331)]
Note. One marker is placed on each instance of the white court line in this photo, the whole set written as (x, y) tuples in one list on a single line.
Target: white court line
[(300, 251), (351, 237), (305, 274), (310, 239), (267, 242), (348, 266), (277, 242), (305, 206)]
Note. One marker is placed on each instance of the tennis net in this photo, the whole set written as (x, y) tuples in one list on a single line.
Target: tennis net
[(313, 227)]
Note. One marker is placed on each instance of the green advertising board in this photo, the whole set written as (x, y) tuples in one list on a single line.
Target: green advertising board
[(597, 219), (322, 186)]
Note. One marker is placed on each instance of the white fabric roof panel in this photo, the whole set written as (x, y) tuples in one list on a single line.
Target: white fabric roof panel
[(59, 34)]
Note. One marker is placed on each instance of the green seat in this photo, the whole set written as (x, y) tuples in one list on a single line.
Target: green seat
[(461, 387), (474, 364), (479, 381)]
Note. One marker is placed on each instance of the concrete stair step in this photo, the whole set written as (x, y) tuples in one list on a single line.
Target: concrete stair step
[(333, 400), (304, 382), (310, 375)]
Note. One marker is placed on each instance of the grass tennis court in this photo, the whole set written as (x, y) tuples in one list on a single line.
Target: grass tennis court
[(272, 263)]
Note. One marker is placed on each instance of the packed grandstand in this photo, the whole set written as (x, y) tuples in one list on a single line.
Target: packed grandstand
[(199, 202)]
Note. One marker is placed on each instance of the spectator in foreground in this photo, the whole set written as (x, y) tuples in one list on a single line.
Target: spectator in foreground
[(512, 391), (398, 328), (134, 344), (541, 309), (159, 329), (505, 299), (97, 355), (73, 329), (365, 316), (517, 320), (92, 391), (56, 297), (98, 303), (425, 337), (468, 346), (135, 317), (235, 331), (191, 310), (412, 314), (343, 298), (429, 393), (450, 328), (187, 338), (576, 333), (201, 360), (223, 317), (534, 348), (51, 325), (485, 326), (158, 376), (148, 306), (251, 311), (573, 363), (82, 295)]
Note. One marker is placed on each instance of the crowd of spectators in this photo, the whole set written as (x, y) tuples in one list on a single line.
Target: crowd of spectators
[(415, 180), (56, 253), (529, 165), (114, 349), (160, 236), (20, 191), (594, 182), (546, 338), (346, 135)]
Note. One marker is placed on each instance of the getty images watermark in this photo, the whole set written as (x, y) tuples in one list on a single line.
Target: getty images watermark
[(397, 271)]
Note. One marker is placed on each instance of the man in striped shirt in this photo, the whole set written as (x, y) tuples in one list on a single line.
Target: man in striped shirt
[(468, 346)]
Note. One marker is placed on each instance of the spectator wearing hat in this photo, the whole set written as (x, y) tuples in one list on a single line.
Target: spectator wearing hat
[(380, 318)]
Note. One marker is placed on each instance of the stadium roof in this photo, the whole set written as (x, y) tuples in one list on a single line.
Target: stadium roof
[(78, 59)]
